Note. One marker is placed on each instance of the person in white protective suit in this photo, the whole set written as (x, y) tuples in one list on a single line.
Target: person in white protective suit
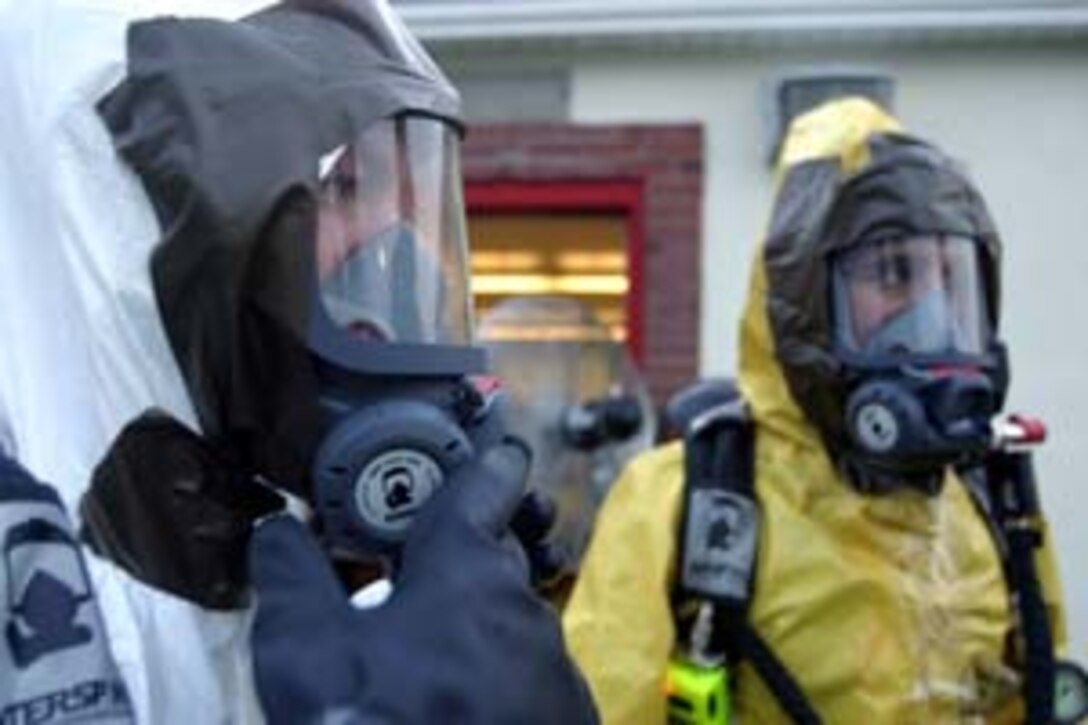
[(203, 301)]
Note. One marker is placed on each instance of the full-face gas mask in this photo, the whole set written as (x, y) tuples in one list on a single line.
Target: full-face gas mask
[(913, 335), (883, 300), (390, 333)]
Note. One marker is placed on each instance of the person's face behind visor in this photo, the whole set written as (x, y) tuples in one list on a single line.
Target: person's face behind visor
[(391, 252), (918, 295)]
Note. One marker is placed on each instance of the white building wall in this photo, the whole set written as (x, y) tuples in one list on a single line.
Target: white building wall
[(1017, 115)]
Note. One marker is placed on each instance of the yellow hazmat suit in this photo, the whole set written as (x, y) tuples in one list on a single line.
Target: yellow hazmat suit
[(890, 609)]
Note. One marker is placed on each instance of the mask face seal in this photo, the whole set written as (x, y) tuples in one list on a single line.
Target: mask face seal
[(912, 333)]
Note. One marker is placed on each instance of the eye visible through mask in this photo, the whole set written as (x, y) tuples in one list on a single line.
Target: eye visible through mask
[(919, 295), (391, 249)]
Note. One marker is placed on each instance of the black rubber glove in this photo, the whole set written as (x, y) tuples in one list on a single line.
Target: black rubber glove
[(55, 664), (463, 639)]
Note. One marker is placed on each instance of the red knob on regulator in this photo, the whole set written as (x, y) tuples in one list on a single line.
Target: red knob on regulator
[(1019, 430)]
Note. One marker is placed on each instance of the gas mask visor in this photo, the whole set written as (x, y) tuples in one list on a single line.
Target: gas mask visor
[(920, 296), (391, 260)]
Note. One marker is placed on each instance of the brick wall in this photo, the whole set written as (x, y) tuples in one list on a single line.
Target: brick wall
[(667, 161)]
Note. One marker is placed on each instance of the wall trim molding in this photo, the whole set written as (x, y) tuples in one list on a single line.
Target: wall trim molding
[(738, 23)]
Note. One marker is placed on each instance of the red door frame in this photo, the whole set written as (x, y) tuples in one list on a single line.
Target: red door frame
[(614, 196)]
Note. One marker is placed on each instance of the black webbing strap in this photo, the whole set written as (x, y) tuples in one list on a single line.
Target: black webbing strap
[(778, 679), (720, 532), (720, 526), (1015, 502)]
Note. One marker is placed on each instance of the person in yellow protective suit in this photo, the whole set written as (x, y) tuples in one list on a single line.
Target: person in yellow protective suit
[(878, 583)]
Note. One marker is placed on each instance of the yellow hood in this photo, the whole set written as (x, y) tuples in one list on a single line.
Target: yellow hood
[(840, 131)]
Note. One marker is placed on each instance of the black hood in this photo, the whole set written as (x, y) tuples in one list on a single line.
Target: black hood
[(224, 123)]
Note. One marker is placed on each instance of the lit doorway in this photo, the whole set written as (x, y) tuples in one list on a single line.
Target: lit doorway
[(645, 179), (578, 239)]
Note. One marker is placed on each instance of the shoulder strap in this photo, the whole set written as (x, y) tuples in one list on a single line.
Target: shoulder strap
[(720, 527), (719, 540), (1017, 515)]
